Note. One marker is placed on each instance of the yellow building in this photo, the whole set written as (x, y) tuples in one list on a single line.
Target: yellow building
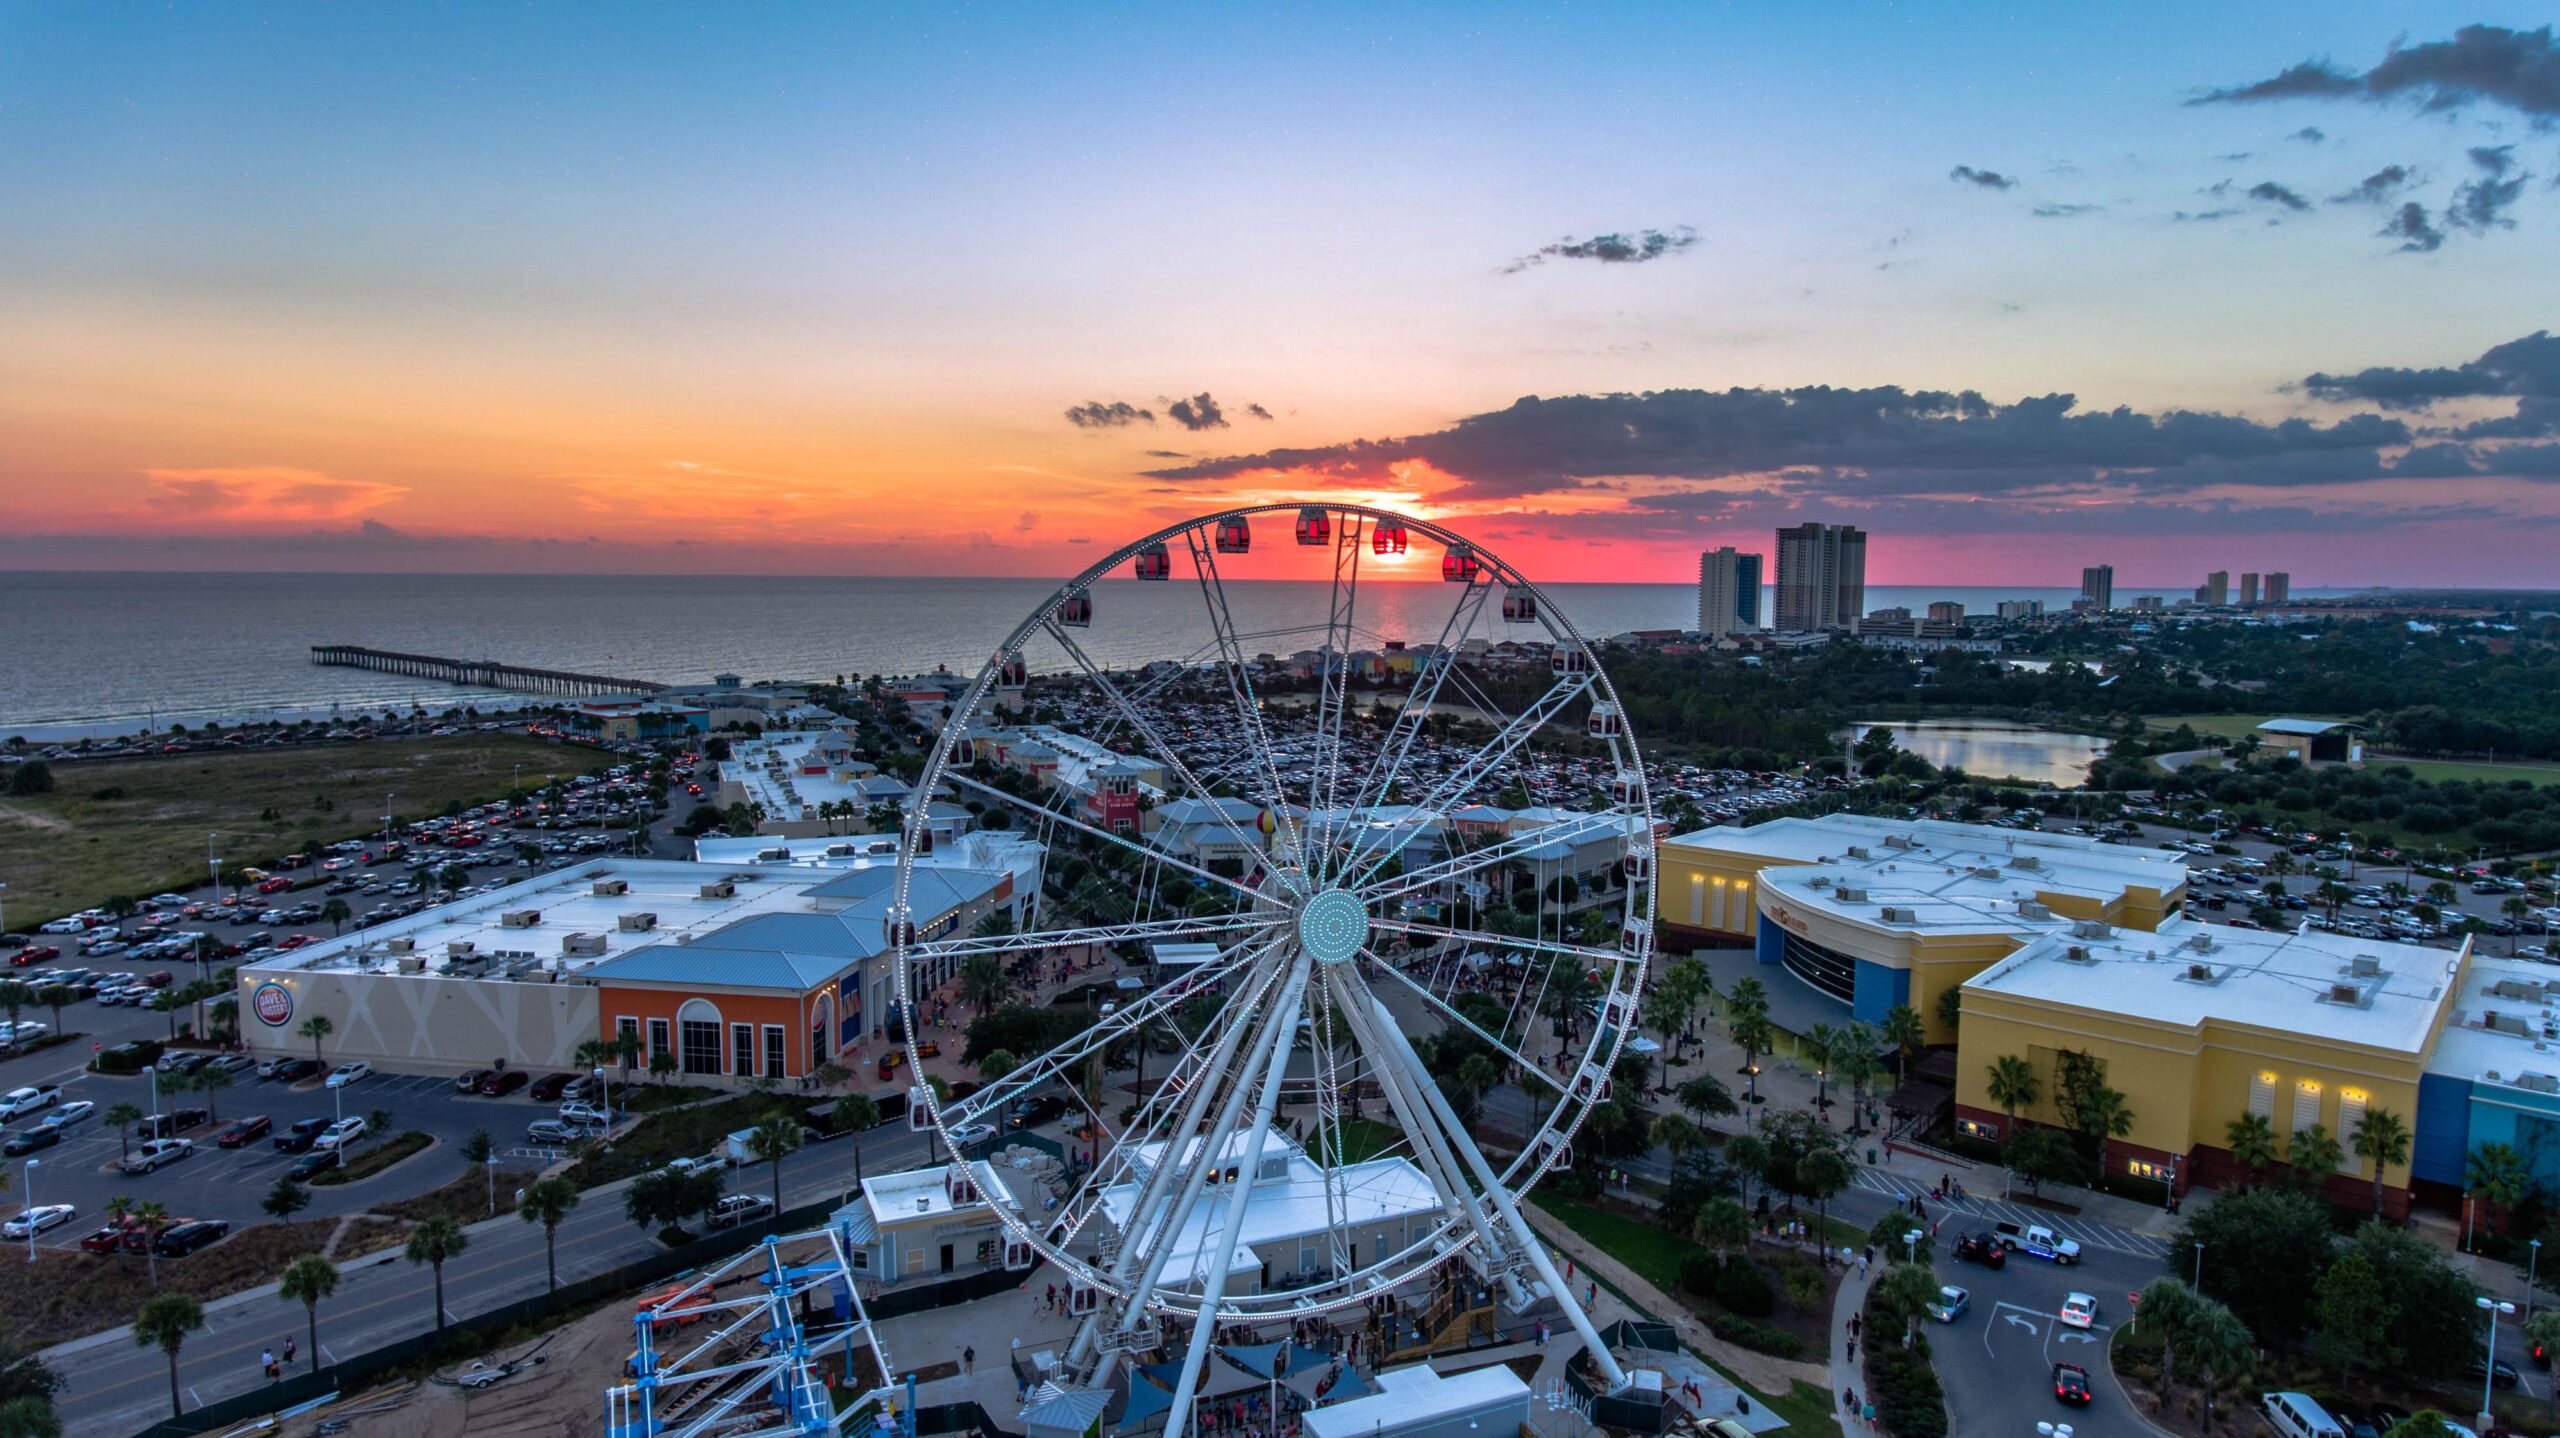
[(2198, 1025), (1858, 915)]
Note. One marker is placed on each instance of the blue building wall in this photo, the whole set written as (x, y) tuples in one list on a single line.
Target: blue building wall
[(1879, 990), (1769, 941), (2443, 1129), (2527, 1120)]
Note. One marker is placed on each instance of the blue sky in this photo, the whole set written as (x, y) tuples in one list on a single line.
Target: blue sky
[(349, 286)]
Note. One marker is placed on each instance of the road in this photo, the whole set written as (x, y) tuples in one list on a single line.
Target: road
[(114, 1388)]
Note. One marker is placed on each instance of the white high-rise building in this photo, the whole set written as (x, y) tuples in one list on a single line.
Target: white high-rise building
[(1822, 577), (2098, 586), (1728, 592)]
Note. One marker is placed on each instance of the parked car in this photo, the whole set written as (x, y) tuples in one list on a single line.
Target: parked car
[(180, 1239), (345, 1074), (470, 1082), (550, 1088), (585, 1113), (19, 1102), (340, 1134), (1950, 1304), (296, 1070), (1030, 1112), (158, 1153), (313, 1164), (65, 1115), (1981, 1248), (27, 1141), (969, 1134), (2502, 1377), (552, 1132), (104, 1240), (32, 1221), (172, 1122), (504, 1082), (299, 1137), (241, 1132)]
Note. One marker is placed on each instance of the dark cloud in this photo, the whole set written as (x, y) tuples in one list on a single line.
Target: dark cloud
[(2309, 135), (1166, 454), (1108, 414), (2275, 194), (2410, 226), (2527, 369), (2203, 216), (2520, 68), (1027, 521), (2496, 159), (2481, 205), (1987, 179), (2065, 212), (1197, 413), (1257, 411), (2375, 188), (1611, 249), (1883, 440)]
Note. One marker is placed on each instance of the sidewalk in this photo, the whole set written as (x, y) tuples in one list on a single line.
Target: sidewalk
[(1846, 1373)]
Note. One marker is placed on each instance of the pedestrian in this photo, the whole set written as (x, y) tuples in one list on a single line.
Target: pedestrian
[(1867, 1413), (1591, 1296), (968, 1358), (1853, 1348), (289, 1347), (267, 1361), (1863, 1260)]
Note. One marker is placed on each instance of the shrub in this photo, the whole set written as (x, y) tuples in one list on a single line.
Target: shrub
[(1743, 1289), (128, 1058), (1804, 1285), (1757, 1336), (1909, 1402), (1699, 1272)]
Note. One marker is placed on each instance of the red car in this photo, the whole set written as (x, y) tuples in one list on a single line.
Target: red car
[(34, 954), (105, 1240), (275, 885), (499, 1085), (244, 1131)]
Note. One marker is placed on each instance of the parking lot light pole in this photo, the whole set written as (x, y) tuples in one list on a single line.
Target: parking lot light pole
[(2532, 1265), (2199, 1283), (1911, 1246), (2489, 1366), (27, 1186)]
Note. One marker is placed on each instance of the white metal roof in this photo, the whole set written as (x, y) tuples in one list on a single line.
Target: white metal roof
[(2306, 727)]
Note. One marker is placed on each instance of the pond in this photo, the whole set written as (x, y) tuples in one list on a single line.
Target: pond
[(1992, 749)]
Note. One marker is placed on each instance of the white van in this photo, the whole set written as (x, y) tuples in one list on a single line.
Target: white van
[(2295, 1415)]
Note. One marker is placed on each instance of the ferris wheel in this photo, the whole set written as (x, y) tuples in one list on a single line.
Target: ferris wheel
[(1339, 874)]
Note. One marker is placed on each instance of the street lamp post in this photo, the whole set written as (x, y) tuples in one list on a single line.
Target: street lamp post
[(2199, 1283), (28, 1186), (2489, 1370), (1911, 1246), (2532, 1265)]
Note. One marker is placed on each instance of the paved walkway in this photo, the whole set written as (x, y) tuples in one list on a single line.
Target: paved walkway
[(1846, 1375)]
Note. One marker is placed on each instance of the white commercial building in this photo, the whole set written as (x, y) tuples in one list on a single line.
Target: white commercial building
[(1384, 1204), (1416, 1401)]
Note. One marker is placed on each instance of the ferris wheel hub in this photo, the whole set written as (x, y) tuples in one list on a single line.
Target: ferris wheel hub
[(1332, 926)]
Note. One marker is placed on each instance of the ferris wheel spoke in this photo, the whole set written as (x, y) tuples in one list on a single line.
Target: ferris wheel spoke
[(1333, 687), (1146, 852), (1449, 1011), (1213, 596), (1505, 742), (1155, 739), (1143, 931), (1457, 866), (1502, 941), (1410, 720), (1105, 1031)]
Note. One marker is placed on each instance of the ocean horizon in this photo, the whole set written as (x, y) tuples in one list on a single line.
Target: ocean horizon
[(101, 652)]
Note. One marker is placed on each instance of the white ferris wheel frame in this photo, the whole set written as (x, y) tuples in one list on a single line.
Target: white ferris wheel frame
[(1267, 927)]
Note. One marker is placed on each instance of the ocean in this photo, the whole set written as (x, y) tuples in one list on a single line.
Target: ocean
[(114, 652)]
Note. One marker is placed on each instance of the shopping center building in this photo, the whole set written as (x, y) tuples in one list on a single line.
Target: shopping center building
[(1847, 916)]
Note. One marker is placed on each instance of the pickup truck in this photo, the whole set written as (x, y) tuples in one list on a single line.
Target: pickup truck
[(18, 1103), (2037, 1241)]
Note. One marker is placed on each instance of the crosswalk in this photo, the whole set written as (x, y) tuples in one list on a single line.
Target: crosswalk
[(1976, 1211)]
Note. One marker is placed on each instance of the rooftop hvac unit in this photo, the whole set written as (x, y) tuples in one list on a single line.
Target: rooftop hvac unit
[(1986, 873), (2201, 973), (1850, 895), (459, 949), (582, 946), (2345, 994), (839, 851), (1895, 915), (1860, 851), (720, 889), (2539, 1083), (2201, 943), (2030, 909), (612, 888), (637, 923), (1900, 841), (399, 946), (2365, 966), (2028, 862), (413, 963), (520, 918), (2079, 954), (2089, 929)]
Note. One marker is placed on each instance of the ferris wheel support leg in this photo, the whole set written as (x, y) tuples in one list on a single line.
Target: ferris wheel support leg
[(1195, 1108), (1521, 1233), (1214, 1284), (1430, 1151)]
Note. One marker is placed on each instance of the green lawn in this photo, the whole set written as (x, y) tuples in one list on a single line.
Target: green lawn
[(2229, 726), (137, 826), (2446, 771)]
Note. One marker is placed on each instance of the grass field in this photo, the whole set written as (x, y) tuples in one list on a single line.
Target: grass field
[(2228, 726), (2445, 771), (137, 826)]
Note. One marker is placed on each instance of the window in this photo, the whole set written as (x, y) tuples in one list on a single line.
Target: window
[(627, 1027), (2351, 1104), (862, 1260), (701, 1053), (2262, 1095), (742, 1050), (2306, 1106), (774, 1052), (915, 1261), (986, 1250), (659, 1042), (1978, 1128), (2144, 1168)]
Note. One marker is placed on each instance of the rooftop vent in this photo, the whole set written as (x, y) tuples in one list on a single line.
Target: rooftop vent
[(399, 946), (720, 889), (2345, 994), (2028, 862), (582, 946), (2202, 974), (2201, 943), (2080, 954), (2030, 909), (1986, 874), (1894, 914), (520, 918), (459, 949), (1850, 895), (2089, 929), (2365, 966), (638, 923), (2539, 1083), (1860, 851), (612, 888)]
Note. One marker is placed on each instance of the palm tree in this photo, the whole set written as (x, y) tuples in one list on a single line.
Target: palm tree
[(2497, 1176), (431, 1243), (481, 1152), (1906, 1292), (306, 1281), (774, 1140), (2104, 1114), (123, 1116), (983, 984), (2013, 1086), (210, 1081), (154, 1218), (1819, 1175), (316, 1028), (2252, 1141), (1902, 1029), (15, 996), (1674, 1132), (2382, 1137), (2515, 908), (547, 1201), (337, 913), (54, 997), (2314, 1154), (1752, 1030), (164, 1321), (1820, 1043)]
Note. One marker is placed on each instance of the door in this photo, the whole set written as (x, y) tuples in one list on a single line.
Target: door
[(946, 1258)]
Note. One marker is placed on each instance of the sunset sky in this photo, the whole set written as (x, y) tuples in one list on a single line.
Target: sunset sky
[(837, 289)]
